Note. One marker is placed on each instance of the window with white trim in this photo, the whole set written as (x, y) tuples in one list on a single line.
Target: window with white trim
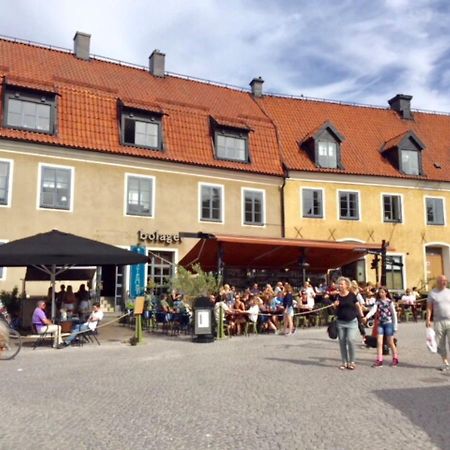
[(435, 211), (160, 269), (5, 174), (140, 195), (211, 203), (55, 188), (253, 207), (30, 110), (392, 208), (312, 203), (348, 205)]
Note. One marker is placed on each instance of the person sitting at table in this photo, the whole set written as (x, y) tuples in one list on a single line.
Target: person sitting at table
[(91, 324), (239, 315), (43, 325), (408, 301), (82, 296), (70, 301)]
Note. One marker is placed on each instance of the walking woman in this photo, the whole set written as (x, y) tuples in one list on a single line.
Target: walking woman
[(348, 310), (387, 325)]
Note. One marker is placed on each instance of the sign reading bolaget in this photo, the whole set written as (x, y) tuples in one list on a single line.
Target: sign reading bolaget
[(159, 237)]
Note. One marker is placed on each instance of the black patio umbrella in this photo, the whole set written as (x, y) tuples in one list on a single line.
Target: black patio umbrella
[(55, 251)]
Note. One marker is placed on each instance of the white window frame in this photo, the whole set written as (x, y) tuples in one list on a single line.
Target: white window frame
[(328, 142), (222, 203), (175, 252), (3, 268), (263, 215), (10, 182), (402, 208), (338, 205), (312, 188), (125, 196), (444, 212), (72, 185)]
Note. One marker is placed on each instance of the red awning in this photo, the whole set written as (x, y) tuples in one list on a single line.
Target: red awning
[(264, 253)]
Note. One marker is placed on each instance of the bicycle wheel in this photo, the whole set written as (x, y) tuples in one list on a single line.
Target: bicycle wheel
[(12, 346)]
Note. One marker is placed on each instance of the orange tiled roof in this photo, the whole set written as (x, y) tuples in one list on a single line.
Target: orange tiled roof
[(365, 129), (89, 91)]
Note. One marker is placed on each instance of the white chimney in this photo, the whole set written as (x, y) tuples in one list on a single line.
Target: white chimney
[(157, 62)]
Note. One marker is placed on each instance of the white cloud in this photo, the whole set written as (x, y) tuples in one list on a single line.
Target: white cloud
[(355, 50)]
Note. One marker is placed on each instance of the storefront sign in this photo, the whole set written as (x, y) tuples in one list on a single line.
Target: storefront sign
[(156, 236)]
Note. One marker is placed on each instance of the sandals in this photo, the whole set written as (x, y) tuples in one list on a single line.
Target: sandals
[(351, 366), (343, 367)]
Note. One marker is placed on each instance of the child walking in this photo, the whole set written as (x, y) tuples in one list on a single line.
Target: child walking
[(387, 325)]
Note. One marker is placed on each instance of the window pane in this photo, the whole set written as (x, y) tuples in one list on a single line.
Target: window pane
[(348, 205), (28, 114), (4, 182), (139, 196), (211, 203), (435, 211), (253, 204), (55, 188), (327, 151), (146, 134), (312, 203), (410, 162), (230, 147)]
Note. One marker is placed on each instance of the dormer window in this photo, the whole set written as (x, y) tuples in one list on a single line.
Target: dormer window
[(231, 145), (324, 146), (327, 154), (405, 152), (141, 129), (230, 139), (30, 110), (410, 162)]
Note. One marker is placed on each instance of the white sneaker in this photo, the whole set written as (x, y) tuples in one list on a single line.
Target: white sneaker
[(444, 368)]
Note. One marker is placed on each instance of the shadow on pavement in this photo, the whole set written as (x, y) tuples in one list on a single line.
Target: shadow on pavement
[(427, 408)]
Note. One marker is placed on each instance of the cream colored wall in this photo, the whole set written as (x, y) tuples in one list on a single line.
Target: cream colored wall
[(408, 238), (99, 198)]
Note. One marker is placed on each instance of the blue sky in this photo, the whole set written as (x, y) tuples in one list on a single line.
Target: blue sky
[(363, 51)]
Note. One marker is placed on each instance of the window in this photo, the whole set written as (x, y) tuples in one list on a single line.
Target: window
[(139, 195), (312, 203), (30, 111), (55, 187), (5, 169), (211, 203), (348, 205), (394, 272), (435, 211), (160, 269), (410, 162), (327, 154), (253, 207), (231, 145), (141, 129), (392, 208)]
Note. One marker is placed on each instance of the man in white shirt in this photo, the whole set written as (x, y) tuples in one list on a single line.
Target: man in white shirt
[(438, 303), (91, 324)]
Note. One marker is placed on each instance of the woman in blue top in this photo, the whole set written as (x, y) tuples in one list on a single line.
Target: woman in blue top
[(348, 310), (288, 304)]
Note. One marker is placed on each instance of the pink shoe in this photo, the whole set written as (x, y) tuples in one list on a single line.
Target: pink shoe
[(394, 362), (377, 363)]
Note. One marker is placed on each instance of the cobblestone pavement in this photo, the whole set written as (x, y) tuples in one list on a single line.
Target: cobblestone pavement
[(256, 392)]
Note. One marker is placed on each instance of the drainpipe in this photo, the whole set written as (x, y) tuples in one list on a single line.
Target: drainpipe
[(282, 208)]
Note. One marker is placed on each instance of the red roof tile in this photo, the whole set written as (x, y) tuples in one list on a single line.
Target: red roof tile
[(88, 93)]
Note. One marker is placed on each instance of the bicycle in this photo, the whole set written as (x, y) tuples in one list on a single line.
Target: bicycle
[(10, 339)]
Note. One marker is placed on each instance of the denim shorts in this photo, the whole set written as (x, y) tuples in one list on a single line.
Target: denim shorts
[(386, 329)]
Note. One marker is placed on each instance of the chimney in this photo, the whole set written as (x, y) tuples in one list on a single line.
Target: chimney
[(402, 104), (81, 44), (157, 62), (256, 85)]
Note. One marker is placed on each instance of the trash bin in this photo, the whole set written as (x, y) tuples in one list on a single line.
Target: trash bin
[(203, 320)]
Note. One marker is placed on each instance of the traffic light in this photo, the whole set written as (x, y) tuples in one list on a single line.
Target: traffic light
[(375, 261)]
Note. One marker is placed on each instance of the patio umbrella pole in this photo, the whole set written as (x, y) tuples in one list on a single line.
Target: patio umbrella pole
[(53, 283)]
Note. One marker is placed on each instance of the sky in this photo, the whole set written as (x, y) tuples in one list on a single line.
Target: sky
[(362, 51)]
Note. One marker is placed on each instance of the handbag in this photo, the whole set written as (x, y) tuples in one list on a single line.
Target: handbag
[(332, 330)]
